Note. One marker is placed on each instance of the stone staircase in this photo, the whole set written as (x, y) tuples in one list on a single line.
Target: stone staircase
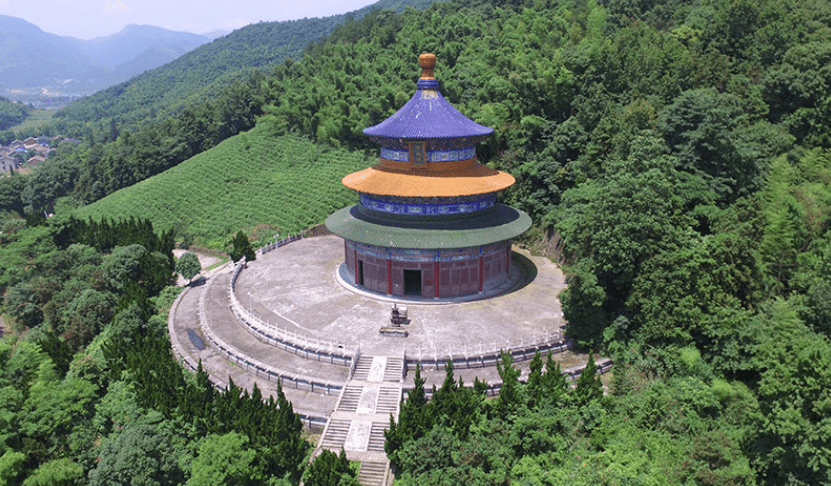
[(357, 425), (373, 473)]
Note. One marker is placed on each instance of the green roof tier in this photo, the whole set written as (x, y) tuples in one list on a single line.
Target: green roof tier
[(359, 224)]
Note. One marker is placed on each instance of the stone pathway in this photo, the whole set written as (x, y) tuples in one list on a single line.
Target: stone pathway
[(363, 414)]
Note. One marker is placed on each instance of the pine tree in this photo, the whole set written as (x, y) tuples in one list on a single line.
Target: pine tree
[(510, 395), (535, 381), (444, 398), (589, 387), (414, 420), (330, 469), (554, 384)]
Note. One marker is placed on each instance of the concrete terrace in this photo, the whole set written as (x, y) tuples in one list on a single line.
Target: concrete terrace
[(298, 287), (297, 293)]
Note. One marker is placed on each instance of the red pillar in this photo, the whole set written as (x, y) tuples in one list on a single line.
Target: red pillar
[(355, 257), (436, 280), (508, 259), (481, 271), (389, 276)]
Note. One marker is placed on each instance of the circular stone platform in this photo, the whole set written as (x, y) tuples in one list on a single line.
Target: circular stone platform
[(296, 287)]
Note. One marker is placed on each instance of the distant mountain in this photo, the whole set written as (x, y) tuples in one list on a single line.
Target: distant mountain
[(31, 58), (34, 62), (216, 34), (134, 41), (203, 73)]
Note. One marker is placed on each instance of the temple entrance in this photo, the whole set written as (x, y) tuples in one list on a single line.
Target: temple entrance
[(412, 282), (359, 279)]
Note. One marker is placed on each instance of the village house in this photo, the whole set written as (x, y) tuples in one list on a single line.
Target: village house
[(39, 145), (7, 164), (35, 160), (43, 150)]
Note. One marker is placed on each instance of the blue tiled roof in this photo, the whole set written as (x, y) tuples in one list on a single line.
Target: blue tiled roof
[(427, 116)]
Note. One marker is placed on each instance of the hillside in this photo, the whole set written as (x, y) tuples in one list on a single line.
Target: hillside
[(682, 159), (12, 113), (33, 62), (142, 127), (678, 152), (254, 181), (204, 72)]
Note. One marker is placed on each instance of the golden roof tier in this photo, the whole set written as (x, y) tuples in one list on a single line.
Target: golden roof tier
[(466, 178)]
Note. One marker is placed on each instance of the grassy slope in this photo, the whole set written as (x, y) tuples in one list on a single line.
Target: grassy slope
[(247, 182), (35, 120)]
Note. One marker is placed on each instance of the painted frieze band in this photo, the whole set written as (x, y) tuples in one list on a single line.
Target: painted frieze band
[(432, 155), (427, 209)]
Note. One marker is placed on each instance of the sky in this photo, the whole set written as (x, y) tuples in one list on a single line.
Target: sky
[(87, 19)]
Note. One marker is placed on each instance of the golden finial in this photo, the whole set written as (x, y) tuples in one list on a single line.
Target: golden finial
[(428, 64)]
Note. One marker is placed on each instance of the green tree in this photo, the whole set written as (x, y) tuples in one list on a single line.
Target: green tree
[(688, 294), (123, 265), (330, 469), (10, 195), (22, 305), (11, 467), (57, 472), (188, 265), (140, 454), (712, 135), (613, 224), (414, 420), (588, 388), (793, 430), (241, 247), (511, 399), (553, 386), (86, 315), (584, 304), (225, 459), (54, 409)]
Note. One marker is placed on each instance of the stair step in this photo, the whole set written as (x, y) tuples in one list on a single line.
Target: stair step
[(376, 437), (394, 371), (350, 399), (380, 395), (362, 368), (388, 400), (336, 434), (372, 473)]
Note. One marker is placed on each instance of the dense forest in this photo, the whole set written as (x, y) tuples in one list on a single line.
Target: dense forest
[(678, 152)]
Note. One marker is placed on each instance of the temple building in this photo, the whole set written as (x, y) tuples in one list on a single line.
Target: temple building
[(428, 223)]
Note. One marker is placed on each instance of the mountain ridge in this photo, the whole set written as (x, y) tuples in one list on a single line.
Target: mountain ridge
[(33, 61)]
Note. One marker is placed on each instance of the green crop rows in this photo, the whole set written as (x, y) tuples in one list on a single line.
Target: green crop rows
[(253, 180)]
